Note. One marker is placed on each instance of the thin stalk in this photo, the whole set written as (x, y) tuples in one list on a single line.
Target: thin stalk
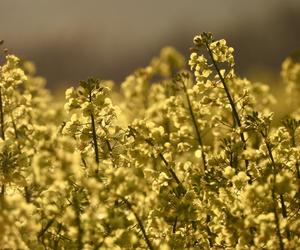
[(281, 245), (195, 126), (110, 151), (283, 209), (297, 169), (14, 127), (174, 225), (202, 153), (2, 190), (233, 108), (95, 143), (234, 111), (161, 156), (99, 245), (1, 116), (108, 146), (78, 224), (94, 134), (297, 162), (293, 142), (56, 242), (140, 223), (43, 230), (166, 164), (2, 133), (174, 176), (26, 191), (284, 214), (27, 194), (210, 236), (283, 206), (15, 131)]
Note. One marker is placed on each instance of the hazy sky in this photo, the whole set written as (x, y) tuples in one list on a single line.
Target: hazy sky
[(70, 39)]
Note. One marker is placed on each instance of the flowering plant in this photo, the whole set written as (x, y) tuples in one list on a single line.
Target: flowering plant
[(178, 158)]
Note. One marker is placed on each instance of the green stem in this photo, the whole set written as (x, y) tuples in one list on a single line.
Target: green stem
[(297, 169), (99, 245), (195, 126), (234, 111), (110, 151), (210, 235), (43, 230), (1, 116), (161, 156), (233, 108), (94, 134), (108, 146), (78, 224), (277, 223), (27, 194), (95, 143), (202, 153), (56, 242), (2, 190), (297, 162), (174, 225), (166, 164), (284, 214), (281, 245), (129, 206), (15, 132), (14, 126)]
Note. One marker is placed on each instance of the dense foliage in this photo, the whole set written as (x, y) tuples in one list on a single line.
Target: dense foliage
[(177, 158)]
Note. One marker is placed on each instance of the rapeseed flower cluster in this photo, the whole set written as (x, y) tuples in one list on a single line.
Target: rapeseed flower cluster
[(180, 157)]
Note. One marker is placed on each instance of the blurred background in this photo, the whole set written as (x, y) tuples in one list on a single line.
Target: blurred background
[(70, 40)]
